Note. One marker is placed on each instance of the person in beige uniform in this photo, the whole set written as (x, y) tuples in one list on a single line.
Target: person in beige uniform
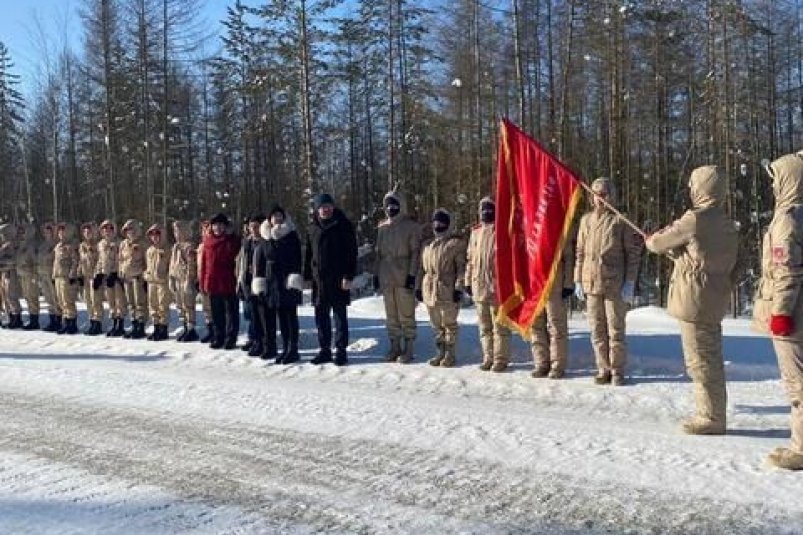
[(26, 274), (107, 276), (87, 269), (398, 252), (8, 275), (156, 275), (206, 301), (132, 267), (44, 275), (65, 276), (550, 332), (605, 271), (704, 246), (480, 284), (440, 286), (778, 309), (184, 278)]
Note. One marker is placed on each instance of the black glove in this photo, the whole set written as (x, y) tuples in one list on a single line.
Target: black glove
[(73, 281), (469, 291), (566, 293), (409, 282), (419, 296), (97, 282), (376, 282), (81, 282), (112, 279), (457, 296)]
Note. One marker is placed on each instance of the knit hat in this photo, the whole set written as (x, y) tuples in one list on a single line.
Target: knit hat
[(391, 198), (220, 219), (322, 198), (276, 208), (487, 202), (441, 215)]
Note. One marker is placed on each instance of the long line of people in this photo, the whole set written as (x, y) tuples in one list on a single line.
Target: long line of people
[(268, 270)]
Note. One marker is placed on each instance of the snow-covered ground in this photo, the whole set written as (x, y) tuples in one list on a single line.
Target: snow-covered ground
[(103, 435)]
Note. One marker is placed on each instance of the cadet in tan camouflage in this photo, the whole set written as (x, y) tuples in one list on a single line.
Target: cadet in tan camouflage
[(184, 279), (156, 276), (65, 276), (26, 274), (87, 269), (107, 275), (44, 275), (132, 266)]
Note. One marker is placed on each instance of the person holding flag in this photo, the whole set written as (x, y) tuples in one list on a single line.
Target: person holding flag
[(607, 264)]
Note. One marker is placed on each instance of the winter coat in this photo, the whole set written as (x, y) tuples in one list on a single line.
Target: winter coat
[(245, 265), (44, 257), (330, 257), (398, 247), (443, 269), (608, 254), (184, 256), (8, 247), (88, 255), (779, 288), (157, 264), (26, 253), (108, 253), (277, 265), (217, 265), (704, 245), (65, 256), (132, 258), (481, 263)]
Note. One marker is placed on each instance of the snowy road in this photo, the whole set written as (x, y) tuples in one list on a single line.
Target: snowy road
[(97, 436)]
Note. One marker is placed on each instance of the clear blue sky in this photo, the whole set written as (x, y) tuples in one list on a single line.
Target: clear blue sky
[(60, 22)]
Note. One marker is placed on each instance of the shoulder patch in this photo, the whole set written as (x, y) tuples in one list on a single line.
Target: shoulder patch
[(780, 254)]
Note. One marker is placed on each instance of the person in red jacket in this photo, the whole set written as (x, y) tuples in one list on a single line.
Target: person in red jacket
[(218, 279)]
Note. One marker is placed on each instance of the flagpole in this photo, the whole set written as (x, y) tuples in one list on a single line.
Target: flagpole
[(612, 209)]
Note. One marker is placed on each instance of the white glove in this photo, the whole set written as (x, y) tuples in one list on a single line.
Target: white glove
[(578, 291), (628, 292), (294, 282)]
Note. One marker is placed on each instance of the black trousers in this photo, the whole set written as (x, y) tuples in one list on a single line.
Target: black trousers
[(288, 326), (226, 317), (266, 317), (323, 322), (255, 331)]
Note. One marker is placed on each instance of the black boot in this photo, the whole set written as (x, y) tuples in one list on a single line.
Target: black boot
[(324, 356), (118, 329), (33, 323), (248, 345), (256, 349), (191, 336), (137, 330), (71, 326), (163, 335), (54, 323), (217, 343), (291, 356), (15, 321), (65, 326), (210, 334), (154, 333), (113, 328), (182, 333), (95, 328)]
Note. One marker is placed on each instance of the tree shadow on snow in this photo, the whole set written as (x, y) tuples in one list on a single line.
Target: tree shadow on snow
[(762, 409), (85, 356), (760, 433)]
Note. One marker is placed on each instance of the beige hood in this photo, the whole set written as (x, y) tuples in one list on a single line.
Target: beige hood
[(707, 187), (787, 180)]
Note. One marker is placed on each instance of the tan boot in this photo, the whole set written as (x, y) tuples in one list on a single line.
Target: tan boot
[(700, 426), (617, 379), (603, 377), (407, 355), (556, 373), (786, 459), (449, 360), (486, 364), (540, 372), (395, 350), (499, 366), (436, 360)]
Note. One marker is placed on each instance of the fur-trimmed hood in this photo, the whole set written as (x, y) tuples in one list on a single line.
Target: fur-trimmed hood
[(276, 232)]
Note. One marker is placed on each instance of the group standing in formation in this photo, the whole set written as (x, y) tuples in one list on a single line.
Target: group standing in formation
[(434, 265)]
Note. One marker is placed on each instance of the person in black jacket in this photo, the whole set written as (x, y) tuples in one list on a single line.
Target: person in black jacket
[(330, 263), (254, 346), (278, 284)]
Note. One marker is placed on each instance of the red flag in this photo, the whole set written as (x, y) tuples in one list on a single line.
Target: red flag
[(536, 197)]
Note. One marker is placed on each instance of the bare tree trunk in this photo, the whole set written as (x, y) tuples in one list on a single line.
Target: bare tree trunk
[(306, 107)]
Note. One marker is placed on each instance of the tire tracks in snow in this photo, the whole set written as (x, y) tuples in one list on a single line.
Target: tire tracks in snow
[(290, 481)]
